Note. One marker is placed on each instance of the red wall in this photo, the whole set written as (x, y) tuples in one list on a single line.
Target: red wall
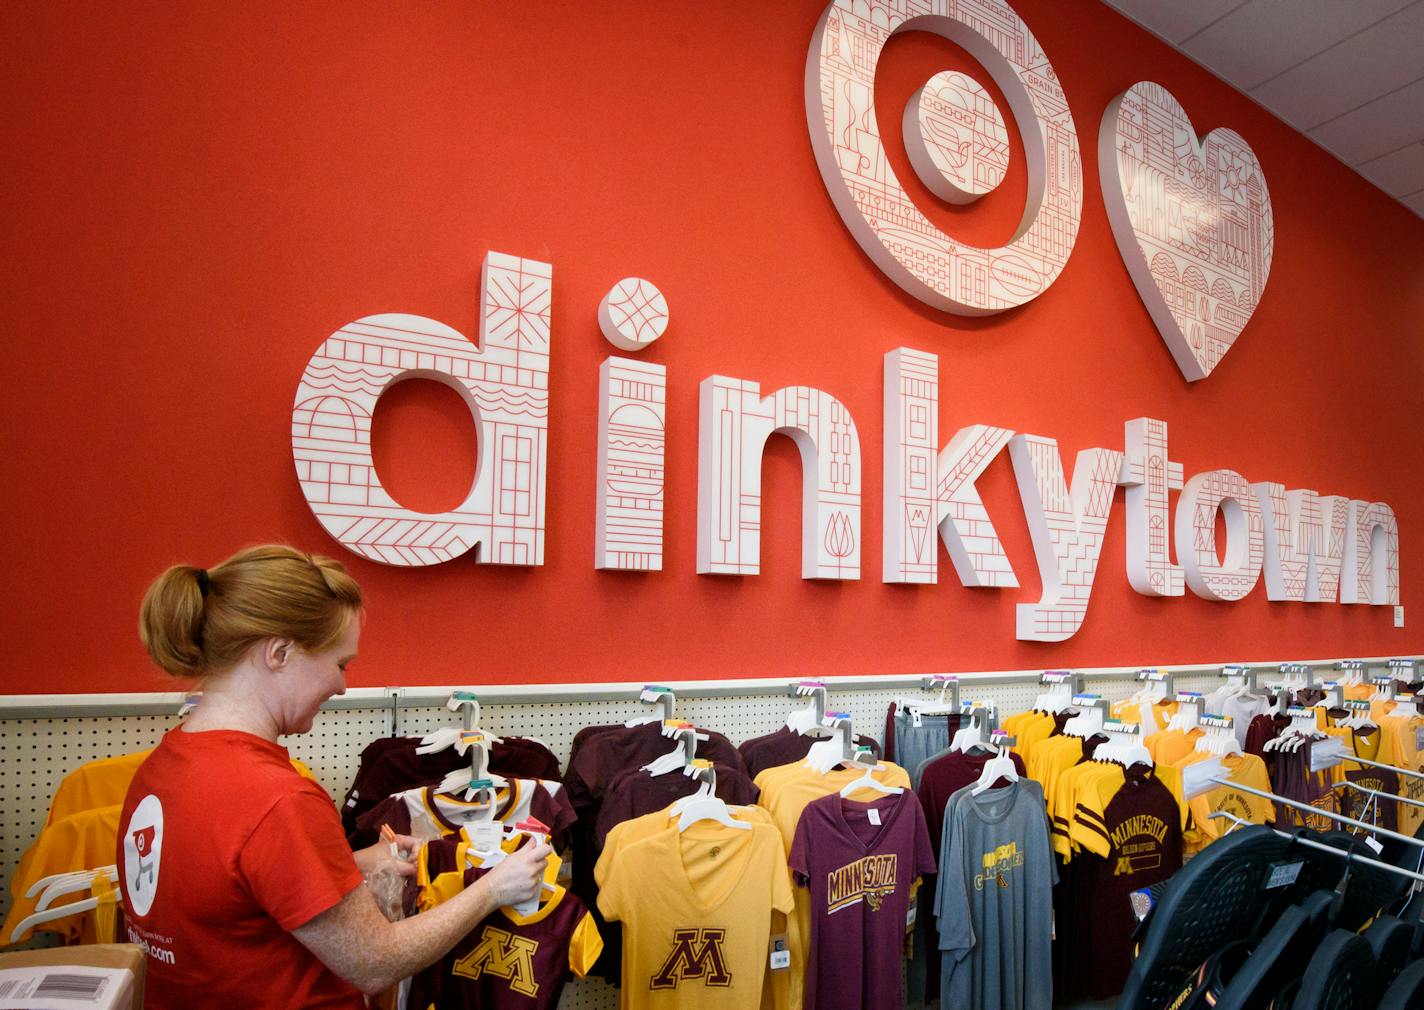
[(204, 195)]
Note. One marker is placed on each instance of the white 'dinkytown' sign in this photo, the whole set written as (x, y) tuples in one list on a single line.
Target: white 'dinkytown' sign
[(1192, 220)]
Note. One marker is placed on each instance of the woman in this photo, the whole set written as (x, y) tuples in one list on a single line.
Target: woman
[(235, 874)]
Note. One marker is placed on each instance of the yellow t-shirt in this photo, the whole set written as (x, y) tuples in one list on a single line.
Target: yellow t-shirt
[(84, 841), (1031, 728), (1170, 746), (1084, 795), (101, 783), (697, 907), (1051, 758), (1402, 740), (1246, 769)]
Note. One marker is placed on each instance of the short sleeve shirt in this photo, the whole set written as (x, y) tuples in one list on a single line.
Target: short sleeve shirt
[(696, 910), (860, 862), (223, 850)]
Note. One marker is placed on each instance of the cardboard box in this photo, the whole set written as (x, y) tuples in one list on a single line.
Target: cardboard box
[(122, 963)]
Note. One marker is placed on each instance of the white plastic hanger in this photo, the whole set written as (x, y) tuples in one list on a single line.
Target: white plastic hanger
[(1000, 766), (1092, 714), (807, 721), (836, 750), (655, 694), (476, 743), (465, 702), (1405, 706), (684, 750), (1189, 712), (60, 884), (869, 781), (705, 804)]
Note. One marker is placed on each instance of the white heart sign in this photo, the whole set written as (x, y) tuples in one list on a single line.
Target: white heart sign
[(1192, 219)]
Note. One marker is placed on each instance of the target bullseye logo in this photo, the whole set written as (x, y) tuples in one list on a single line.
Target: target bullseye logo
[(958, 145)]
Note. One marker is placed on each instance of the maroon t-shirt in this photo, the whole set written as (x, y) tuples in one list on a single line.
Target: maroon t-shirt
[(784, 746), (945, 776), (391, 764), (859, 873), (601, 756), (635, 792), (1144, 832), (504, 963)]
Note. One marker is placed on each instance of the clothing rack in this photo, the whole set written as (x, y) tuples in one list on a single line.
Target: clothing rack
[(946, 684), (1310, 843), (1307, 808), (1302, 670), (1347, 784), (1245, 674), (1156, 676)]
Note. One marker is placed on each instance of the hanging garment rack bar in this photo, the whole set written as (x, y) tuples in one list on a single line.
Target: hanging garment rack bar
[(1378, 764), (1311, 843), (1307, 808), (1347, 784)]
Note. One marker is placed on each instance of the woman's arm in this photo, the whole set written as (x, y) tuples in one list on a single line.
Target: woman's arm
[(356, 942)]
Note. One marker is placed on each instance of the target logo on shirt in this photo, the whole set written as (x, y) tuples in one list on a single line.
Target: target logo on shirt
[(143, 850)]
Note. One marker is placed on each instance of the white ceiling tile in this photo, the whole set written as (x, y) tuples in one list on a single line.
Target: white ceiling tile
[(1172, 19), (1350, 74), (1398, 173), (1415, 203), (1384, 125), (1264, 38)]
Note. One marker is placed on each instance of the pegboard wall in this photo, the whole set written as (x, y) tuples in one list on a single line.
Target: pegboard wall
[(36, 753)]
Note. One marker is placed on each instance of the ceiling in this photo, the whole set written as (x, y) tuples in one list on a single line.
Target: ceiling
[(1349, 74)]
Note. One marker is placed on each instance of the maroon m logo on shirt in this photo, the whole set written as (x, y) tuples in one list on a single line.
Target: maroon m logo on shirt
[(696, 953)]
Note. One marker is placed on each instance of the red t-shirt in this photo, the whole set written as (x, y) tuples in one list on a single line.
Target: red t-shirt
[(223, 850)]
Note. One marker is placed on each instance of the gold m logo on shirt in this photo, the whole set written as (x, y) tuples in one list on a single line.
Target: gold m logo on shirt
[(696, 953), (502, 955)]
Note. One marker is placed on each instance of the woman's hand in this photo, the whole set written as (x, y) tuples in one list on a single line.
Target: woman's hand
[(369, 860), (519, 875)]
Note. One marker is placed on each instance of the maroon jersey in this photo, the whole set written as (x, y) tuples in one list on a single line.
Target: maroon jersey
[(784, 746), (391, 765), (635, 793), (859, 861), (1095, 917), (428, 814), (511, 961)]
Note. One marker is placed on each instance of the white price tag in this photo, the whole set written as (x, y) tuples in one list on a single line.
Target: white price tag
[(780, 959), (1370, 841), (1283, 874), (485, 835), (874, 815)]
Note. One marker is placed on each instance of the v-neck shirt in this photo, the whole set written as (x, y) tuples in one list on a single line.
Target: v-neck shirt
[(861, 862), (696, 911)]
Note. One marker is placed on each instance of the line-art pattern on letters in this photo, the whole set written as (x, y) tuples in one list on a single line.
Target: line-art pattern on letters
[(735, 422), (1371, 568), (505, 382), (956, 138), (953, 511), (1067, 527), (1202, 497), (1192, 219), (1149, 476), (849, 147), (632, 422)]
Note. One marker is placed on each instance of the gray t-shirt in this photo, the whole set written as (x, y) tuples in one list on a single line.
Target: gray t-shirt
[(994, 900)]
